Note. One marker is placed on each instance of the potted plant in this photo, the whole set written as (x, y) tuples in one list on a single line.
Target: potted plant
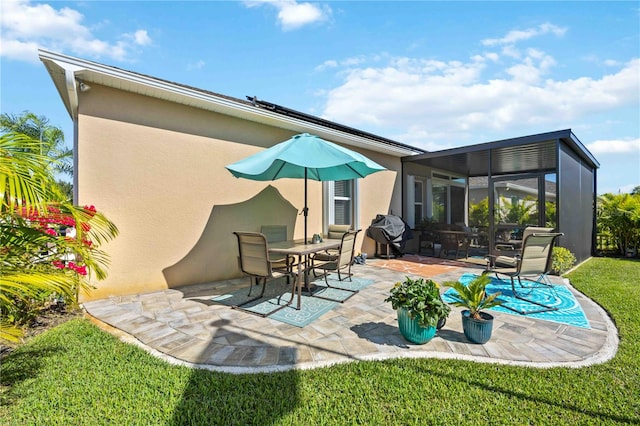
[(476, 324), (420, 309)]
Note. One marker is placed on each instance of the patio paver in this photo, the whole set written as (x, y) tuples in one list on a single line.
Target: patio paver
[(183, 326)]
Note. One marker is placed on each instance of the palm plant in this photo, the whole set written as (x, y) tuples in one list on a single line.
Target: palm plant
[(619, 214), (519, 212), (473, 295), (479, 213), (30, 253), (51, 138), (51, 143)]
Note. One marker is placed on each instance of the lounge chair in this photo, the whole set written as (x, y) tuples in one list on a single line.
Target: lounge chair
[(255, 262), (342, 260), (532, 269)]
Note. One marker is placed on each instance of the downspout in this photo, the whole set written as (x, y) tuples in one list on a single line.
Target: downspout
[(72, 92), (402, 194)]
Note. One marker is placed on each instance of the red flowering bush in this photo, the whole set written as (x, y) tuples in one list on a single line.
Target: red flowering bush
[(49, 248), (62, 252)]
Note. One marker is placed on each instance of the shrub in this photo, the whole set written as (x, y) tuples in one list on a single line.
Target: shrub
[(561, 260)]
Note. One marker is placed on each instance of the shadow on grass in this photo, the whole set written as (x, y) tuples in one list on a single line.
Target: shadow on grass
[(21, 365), (225, 399), (236, 399), (529, 397)]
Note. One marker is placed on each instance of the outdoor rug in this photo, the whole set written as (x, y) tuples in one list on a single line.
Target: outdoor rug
[(569, 310), (278, 293)]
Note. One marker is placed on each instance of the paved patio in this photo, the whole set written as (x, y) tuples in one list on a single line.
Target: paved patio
[(183, 326)]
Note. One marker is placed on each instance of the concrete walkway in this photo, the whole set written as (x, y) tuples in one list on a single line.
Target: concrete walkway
[(183, 326)]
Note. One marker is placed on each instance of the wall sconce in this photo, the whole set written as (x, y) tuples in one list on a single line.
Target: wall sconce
[(84, 87)]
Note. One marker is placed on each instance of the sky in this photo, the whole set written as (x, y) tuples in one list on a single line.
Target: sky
[(430, 74)]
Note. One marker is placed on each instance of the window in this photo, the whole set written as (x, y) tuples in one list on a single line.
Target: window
[(340, 203), (448, 198), (418, 202)]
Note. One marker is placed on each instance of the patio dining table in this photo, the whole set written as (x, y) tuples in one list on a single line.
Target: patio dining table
[(302, 249)]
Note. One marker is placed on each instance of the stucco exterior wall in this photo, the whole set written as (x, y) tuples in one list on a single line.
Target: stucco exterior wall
[(156, 169)]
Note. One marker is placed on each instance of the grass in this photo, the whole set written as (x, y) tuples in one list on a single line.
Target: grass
[(77, 374)]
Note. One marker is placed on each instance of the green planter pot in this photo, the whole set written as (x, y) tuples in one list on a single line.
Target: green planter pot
[(478, 331), (411, 330)]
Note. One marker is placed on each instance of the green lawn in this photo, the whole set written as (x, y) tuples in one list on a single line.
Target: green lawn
[(76, 374)]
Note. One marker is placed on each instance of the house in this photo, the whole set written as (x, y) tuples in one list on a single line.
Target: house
[(150, 154)]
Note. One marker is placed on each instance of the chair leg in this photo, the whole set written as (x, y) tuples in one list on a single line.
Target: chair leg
[(251, 284), (264, 286), (543, 307), (353, 292)]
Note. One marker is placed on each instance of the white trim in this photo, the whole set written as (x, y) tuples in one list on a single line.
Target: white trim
[(93, 72), (328, 205)]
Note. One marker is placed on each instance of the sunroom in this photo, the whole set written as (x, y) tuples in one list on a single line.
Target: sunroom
[(496, 189)]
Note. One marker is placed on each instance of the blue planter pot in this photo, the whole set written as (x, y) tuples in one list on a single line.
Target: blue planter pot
[(411, 330), (478, 331)]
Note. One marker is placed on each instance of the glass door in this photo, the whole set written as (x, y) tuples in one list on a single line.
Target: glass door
[(440, 204), (516, 205)]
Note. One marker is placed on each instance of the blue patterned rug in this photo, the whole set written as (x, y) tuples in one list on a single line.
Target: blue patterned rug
[(278, 293), (569, 310)]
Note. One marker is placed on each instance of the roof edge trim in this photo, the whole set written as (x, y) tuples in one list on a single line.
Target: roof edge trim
[(241, 107)]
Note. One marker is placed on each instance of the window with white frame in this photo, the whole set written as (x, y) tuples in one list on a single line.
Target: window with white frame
[(341, 202), (418, 201)]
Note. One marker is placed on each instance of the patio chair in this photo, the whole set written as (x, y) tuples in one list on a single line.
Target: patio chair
[(255, 262), (512, 261), (532, 269), (454, 241), (275, 234), (342, 260), (335, 232)]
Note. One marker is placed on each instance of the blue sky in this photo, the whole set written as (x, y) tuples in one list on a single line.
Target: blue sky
[(430, 74)]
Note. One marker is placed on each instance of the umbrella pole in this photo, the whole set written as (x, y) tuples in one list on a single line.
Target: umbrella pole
[(305, 210)]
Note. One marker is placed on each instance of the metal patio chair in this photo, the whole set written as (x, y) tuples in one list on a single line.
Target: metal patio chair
[(532, 269), (337, 262), (254, 261)]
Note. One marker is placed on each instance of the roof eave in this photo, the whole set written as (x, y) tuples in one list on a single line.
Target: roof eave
[(59, 65)]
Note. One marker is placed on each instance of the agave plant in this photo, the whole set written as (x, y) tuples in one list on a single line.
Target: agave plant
[(473, 295)]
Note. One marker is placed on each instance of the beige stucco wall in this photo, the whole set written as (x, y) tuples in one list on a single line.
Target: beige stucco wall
[(156, 169)]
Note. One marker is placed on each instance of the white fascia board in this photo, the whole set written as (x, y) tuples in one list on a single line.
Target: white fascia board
[(88, 71)]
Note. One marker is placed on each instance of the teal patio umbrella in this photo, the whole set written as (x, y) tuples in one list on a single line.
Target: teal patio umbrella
[(305, 156)]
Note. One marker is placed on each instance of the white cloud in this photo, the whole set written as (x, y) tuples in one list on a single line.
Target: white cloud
[(292, 14), (327, 65), (615, 146), (346, 63), (27, 26), (142, 38), (518, 35), (435, 102), (196, 65), (611, 63)]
